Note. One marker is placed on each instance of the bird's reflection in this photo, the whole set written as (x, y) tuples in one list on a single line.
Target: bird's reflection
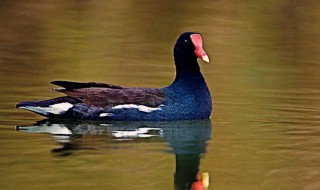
[(188, 140)]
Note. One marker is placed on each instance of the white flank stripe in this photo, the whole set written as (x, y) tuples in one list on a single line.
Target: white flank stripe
[(54, 109), (139, 107), (105, 114)]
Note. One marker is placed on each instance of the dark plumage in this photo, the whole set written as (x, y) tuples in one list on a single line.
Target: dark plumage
[(186, 98)]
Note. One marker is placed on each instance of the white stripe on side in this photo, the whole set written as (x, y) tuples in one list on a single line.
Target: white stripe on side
[(57, 109), (105, 114), (139, 107)]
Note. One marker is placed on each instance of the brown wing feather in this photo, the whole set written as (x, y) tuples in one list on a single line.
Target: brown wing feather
[(76, 85), (108, 97)]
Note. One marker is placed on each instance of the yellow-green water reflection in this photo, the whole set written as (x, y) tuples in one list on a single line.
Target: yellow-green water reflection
[(186, 141)]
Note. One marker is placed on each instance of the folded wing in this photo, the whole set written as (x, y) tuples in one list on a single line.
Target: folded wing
[(106, 95)]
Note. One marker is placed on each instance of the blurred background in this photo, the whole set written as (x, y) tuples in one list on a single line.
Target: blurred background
[(263, 75)]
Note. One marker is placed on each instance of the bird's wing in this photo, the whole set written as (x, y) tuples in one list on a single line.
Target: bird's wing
[(76, 85), (105, 95)]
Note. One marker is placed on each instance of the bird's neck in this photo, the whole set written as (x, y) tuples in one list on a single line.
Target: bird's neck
[(186, 62), (189, 81), (188, 74), (187, 69)]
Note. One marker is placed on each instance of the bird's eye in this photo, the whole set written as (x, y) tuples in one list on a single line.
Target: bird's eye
[(186, 41)]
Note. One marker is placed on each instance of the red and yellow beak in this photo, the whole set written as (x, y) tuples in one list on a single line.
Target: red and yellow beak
[(197, 42)]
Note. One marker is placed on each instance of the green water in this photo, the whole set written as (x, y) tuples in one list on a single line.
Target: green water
[(264, 77)]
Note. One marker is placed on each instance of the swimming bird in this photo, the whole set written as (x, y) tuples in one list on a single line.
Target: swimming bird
[(187, 98)]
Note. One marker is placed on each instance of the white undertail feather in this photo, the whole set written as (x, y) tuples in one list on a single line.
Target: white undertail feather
[(57, 109)]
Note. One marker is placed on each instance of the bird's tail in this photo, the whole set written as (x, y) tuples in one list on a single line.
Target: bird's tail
[(52, 107)]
